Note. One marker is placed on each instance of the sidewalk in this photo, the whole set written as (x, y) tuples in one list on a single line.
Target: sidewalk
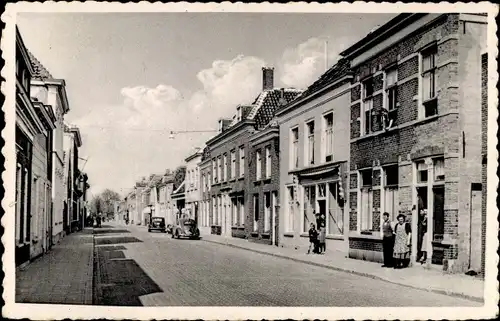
[(415, 277), (62, 276)]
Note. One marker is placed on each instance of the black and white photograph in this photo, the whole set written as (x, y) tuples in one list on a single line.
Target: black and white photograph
[(250, 161)]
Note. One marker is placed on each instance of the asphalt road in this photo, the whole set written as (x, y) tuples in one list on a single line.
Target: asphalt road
[(137, 268)]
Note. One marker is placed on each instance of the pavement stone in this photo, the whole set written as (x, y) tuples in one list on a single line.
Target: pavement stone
[(64, 275), (417, 277)]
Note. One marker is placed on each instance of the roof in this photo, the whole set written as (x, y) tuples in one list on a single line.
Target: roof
[(265, 104), (379, 32), (40, 72), (341, 68)]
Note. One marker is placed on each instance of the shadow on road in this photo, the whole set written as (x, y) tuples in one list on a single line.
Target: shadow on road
[(119, 281), (109, 231), (116, 240)]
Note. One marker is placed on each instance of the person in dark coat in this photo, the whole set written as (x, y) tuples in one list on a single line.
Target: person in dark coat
[(313, 239), (387, 240)]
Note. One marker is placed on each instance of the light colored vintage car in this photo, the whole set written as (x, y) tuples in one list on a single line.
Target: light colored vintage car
[(186, 229)]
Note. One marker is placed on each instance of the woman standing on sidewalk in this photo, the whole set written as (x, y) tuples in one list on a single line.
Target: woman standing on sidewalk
[(402, 232)]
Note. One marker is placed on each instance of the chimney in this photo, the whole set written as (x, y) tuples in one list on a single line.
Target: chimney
[(267, 78)]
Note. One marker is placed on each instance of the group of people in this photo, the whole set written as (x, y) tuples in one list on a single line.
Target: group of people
[(397, 241), (317, 240)]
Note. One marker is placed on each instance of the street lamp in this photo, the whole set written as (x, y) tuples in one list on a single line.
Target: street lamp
[(173, 133)]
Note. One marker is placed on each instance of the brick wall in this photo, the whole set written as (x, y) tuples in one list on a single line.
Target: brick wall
[(406, 142), (261, 187)]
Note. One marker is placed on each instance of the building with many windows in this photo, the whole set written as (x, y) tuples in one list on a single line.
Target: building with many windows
[(416, 136), (314, 147), (72, 142), (230, 158), (205, 168), (193, 185)]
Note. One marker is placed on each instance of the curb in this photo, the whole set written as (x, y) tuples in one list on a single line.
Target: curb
[(335, 268)]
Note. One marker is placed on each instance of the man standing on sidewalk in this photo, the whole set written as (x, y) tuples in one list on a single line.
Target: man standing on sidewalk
[(388, 240)]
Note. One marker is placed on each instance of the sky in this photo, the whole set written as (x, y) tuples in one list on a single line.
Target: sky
[(131, 78)]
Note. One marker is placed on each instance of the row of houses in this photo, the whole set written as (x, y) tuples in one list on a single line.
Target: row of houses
[(397, 125), (50, 194)]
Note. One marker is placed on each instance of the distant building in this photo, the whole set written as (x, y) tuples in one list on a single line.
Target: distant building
[(72, 142), (205, 168), (193, 190)]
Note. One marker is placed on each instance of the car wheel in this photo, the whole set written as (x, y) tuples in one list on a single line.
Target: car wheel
[(149, 230)]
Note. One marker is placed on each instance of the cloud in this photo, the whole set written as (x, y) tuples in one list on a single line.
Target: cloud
[(133, 137), (302, 65)]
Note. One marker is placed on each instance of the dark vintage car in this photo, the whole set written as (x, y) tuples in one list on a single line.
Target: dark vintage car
[(186, 229), (157, 224)]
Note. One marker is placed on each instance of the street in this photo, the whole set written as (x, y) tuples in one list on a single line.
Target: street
[(135, 268)]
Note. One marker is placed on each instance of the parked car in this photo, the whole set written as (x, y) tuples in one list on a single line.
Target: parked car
[(186, 228), (157, 224)]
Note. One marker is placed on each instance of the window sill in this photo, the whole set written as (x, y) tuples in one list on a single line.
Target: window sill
[(257, 182), (241, 178), (266, 233), (373, 236), (232, 180), (335, 237), (288, 234)]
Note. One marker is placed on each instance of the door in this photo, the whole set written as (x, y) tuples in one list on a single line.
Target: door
[(438, 225), (475, 229), (321, 220)]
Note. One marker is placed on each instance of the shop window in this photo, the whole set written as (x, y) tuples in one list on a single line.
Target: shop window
[(255, 212), (290, 210), (234, 210), (309, 207), (267, 212), (335, 213)]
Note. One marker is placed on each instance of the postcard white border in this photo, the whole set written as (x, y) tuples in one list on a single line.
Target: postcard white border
[(43, 312)]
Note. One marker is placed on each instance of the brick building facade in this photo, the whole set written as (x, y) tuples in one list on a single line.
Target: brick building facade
[(264, 185), (314, 155), (414, 136), (230, 159)]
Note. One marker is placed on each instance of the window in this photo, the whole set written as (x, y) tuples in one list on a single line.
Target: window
[(366, 200), (309, 148), (290, 211), (268, 162), (335, 213), (242, 210), (225, 167), (196, 178), (203, 183), (367, 105), (328, 147), (219, 210), (391, 88), (208, 180), (273, 207), (214, 211), (219, 166), (439, 169), (259, 167), (242, 161), (422, 173), (429, 81), (267, 212), (255, 212), (214, 171), (233, 164), (391, 198), (309, 207), (234, 209), (294, 148)]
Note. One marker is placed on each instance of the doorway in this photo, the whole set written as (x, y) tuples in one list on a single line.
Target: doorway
[(475, 252)]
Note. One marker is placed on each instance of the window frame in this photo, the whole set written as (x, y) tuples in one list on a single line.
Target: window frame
[(258, 165), (294, 147), (233, 164), (256, 213), (309, 143), (328, 131), (241, 162), (429, 104), (268, 162), (367, 99)]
